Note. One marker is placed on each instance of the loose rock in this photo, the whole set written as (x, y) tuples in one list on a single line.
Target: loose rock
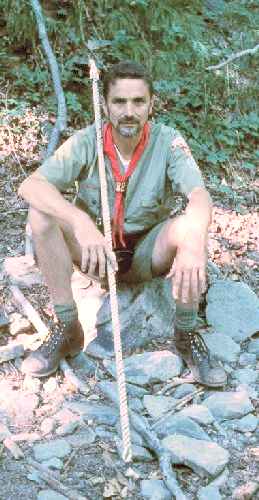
[(205, 458), (247, 358), (253, 347), (222, 347), (228, 405), (157, 406), (199, 413), (54, 463), (58, 448), (179, 425), (246, 376), (245, 424), (149, 367), (209, 493), (103, 414), (50, 495), (154, 489), (11, 351), (233, 309), (183, 390)]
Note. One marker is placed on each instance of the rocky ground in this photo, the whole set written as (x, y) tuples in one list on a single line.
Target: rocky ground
[(58, 441)]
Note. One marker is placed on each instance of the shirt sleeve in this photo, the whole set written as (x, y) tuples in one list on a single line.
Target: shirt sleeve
[(66, 164), (182, 170)]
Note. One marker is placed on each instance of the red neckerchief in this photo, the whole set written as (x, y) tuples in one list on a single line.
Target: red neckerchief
[(121, 180)]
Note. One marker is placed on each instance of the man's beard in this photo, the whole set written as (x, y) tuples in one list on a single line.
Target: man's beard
[(128, 131)]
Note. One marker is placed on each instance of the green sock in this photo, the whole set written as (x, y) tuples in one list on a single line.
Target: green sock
[(66, 313), (185, 317)]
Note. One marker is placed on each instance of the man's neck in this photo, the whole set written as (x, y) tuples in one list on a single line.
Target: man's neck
[(126, 145)]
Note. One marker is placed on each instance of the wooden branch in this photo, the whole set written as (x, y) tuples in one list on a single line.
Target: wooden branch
[(233, 57), (30, 312), (61, 122), (50, 479)]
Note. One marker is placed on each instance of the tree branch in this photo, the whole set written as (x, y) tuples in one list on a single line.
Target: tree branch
[(61, 122), (233, 57)]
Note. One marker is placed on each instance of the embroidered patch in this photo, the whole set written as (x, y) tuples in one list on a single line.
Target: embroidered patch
[(179, 142)]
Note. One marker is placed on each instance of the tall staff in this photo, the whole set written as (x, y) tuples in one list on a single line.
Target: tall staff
[(124, 416)]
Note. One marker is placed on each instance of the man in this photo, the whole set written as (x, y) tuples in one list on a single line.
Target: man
[(146, 164)]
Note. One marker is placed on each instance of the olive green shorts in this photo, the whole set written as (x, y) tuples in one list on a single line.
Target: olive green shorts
[(141, 266)]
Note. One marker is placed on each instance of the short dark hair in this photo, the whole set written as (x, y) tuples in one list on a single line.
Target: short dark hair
[(126, 69)]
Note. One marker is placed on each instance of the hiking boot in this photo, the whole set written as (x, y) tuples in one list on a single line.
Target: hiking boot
[(192, 348), (62, 341)]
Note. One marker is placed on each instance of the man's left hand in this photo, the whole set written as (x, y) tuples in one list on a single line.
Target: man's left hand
[(188, 271)]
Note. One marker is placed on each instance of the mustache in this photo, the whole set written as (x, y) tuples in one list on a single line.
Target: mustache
[(127, 119)]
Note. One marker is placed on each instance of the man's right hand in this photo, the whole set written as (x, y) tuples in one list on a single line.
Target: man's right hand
[(94, 249)]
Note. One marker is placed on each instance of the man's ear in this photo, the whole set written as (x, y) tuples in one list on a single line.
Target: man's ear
[(150, 111)]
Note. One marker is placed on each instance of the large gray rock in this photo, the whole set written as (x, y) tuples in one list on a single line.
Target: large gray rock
[(205, 458), (154, 489), (199, 413), (149, 367), (245, 424), (50, 495), (58, 448), (158, 405), (180, 425), (209, 493), (101, 414), (246, 375), (146, 313), (233, 309), (222, 347), (228, 405), (253, 347)]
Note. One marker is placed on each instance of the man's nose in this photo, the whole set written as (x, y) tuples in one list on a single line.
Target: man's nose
[(129, 109)]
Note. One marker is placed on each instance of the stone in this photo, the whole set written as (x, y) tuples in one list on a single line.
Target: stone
[(47, 425), (248, 423), (205, 458), (51, 385), (157, 406), (183, 390), (199, 413), (247, 359), (228, 405), (179, 425), (149, 367), (139, 453), (22, 271), (54, 463), (209, 492), (221, 479), (246, 376), (19, 325), (68, 428), (253, 347), (58, 448), (101, 414), (110, 389), (4, 320), (154, 489), (146, 313), (83, 438), (221, 347), (50, 495), (11, 351), (84, 363), (233, 309)]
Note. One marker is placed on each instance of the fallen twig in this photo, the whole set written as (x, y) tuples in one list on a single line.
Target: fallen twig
[(141, 425), (175, 382), (30, 312), (72, 378), (233, 57), (188, 398), (49, 478)]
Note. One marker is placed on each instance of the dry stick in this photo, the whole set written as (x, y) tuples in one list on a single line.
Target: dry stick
[(30, 312), (141, 425), (54, 483), (233, 57), (61, 122), (37, 322), (175, 382), (177, 406), (123, 406)]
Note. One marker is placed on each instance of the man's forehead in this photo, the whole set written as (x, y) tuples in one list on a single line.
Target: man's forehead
[(128, 87)]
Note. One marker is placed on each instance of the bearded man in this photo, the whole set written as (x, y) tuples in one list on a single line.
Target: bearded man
[(147, 163)]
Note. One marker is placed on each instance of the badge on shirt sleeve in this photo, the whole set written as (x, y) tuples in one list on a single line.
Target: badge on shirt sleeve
[(179, 142)]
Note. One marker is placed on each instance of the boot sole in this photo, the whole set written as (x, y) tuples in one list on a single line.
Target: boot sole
[(54, 369)]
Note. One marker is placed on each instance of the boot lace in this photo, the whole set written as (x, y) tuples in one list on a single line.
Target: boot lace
[(199, 350), (54, 338)]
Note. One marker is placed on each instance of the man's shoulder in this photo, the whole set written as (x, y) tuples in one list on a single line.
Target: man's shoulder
[(160, 130), (87, 132)]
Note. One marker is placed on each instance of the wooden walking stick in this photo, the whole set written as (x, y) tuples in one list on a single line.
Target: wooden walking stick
[(124, 415)]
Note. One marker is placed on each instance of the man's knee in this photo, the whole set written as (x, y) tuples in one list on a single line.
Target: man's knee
[(40, 222)]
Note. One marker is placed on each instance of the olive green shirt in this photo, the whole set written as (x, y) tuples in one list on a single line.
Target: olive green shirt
[(165, 168)]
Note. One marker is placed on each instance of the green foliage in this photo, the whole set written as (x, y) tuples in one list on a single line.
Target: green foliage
[(217, 111)]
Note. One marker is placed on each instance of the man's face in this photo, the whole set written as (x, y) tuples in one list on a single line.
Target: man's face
[(128, 106)]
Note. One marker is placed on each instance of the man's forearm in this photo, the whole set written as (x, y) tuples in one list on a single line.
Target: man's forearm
[(45, 197)]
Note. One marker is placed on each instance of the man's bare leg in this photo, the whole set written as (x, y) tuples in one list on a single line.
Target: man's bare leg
[(169, 245), (56, 248)]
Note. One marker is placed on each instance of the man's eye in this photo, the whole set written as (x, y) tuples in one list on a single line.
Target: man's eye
[(119, 101), (139, 100)]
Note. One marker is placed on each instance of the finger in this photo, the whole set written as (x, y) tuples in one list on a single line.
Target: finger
[(112, 259), (171, 272), (101, 262), (93, 260), (84, 259), (202, 281), (186, 286), (195, 292), (177, 281)]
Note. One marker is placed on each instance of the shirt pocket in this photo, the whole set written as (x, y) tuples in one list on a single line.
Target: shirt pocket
[(89, 193)]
